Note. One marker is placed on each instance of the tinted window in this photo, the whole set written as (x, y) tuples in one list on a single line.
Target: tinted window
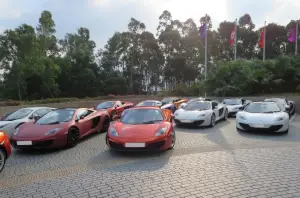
[(19, 114), (83, 112), (42, 112), (198, 105), (266, 107), (57, 116), (105, 105), (142, 116)]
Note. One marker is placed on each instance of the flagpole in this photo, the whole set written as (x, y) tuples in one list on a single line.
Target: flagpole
[(205, 62), (296, 41), (264, 49), (235, 39)]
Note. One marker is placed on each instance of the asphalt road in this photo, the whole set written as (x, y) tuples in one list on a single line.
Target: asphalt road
[(206, 162)]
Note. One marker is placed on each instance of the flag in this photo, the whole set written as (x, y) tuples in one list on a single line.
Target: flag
[(261, 40), (232, 36), (292, 35), (203, 31)]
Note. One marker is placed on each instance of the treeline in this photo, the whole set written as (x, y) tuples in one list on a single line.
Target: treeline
[(37, 65)]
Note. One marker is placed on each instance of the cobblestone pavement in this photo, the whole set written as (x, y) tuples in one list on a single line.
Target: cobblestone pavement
[(208, 162)]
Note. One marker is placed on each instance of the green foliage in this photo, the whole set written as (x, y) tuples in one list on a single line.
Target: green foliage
[(38, 65)]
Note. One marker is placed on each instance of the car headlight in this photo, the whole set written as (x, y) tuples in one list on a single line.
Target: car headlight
[(201, 115), (161, 131), (16, 131), (113, 132), (3, 125), (53, 131), (280, 119), (242, 117)]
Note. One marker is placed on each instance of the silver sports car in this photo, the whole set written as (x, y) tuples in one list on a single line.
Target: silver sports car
[(263, 116), (201, 113), (234, 105)]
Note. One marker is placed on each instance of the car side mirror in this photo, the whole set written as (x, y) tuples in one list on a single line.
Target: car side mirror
[(35, 117), (287, 107)]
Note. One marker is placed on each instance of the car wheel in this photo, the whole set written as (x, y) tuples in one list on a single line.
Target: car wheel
[(73, 137), (113, 113), (225, 115), (173, 140), (105, 125), (213, 120), (2, 159)]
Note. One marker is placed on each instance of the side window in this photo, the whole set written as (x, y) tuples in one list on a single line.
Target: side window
[(214, 105), (122, 103), (81, 112), (118, 104), (42, 112)]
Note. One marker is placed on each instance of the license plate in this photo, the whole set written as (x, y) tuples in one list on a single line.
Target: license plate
[(23, 143), (135, 145), (259, 125), (186, 121)]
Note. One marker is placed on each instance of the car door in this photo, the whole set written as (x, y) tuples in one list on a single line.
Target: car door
[(84, 123), (119, 107), (215, 108)]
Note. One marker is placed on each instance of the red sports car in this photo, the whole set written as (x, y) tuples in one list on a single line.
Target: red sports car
[(5, 149), (59, 128), (114, 107), (142, 128)]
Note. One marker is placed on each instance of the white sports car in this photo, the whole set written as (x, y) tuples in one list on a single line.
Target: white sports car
[(201, 113), (263, 116), (182, 105), (10, 122), (234, 105)]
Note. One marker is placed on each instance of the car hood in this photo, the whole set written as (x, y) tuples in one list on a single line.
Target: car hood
[(181, 113), (267, 117), (137, 131), (31, 130)]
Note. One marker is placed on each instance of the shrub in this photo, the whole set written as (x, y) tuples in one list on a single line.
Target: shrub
[(10, 103)]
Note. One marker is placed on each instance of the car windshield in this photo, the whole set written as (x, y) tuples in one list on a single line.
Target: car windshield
[(167, 100), (193, 100), (142, 116), (19, 114), (198, 105), (105, 105), (57, 116), (266, 107), (232, 101)]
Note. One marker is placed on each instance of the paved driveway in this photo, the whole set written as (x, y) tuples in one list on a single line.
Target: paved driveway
[(208, 162)]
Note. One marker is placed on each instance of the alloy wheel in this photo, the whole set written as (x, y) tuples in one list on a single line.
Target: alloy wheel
[(2, 159)]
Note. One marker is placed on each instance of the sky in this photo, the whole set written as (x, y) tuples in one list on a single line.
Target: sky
[(104, 17)]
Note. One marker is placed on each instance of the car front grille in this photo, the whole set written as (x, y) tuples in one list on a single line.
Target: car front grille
[(272, 128), (196, 122), (151, 146)]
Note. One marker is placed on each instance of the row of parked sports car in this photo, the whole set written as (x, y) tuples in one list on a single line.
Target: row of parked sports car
[(147, 125)]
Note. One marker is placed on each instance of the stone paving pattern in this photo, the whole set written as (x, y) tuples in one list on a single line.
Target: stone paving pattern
[(208, 162)]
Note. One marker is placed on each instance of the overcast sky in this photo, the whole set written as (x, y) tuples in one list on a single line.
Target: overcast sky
[(104, 17)]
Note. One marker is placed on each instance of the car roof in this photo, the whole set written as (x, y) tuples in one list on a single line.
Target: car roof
[(70, 108), (36, 108), (264, 102)]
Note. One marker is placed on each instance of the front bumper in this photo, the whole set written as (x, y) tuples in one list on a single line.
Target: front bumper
[(42, 143), (259, 127), (154, 144), (203, 121)]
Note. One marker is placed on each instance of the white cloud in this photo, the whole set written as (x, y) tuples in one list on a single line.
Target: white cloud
[(283, 11), (7, 11)]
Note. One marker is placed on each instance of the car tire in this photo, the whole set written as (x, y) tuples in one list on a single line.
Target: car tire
[(213, 120), (2, 159), (105, 125), (73, 137), (173, 140)]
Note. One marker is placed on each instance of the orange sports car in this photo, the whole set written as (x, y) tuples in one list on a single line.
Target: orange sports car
[(113, 107), (5, 149), (174, 100), (142, 128)]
